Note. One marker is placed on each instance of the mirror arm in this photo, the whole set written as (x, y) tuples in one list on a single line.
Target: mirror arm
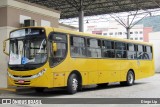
[(4, 46)]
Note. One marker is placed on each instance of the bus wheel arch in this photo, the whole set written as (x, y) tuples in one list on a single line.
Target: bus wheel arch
[(74, 76), (130, 78)]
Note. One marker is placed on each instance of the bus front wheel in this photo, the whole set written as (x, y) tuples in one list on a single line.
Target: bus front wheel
[(129, 79), (72, 84)]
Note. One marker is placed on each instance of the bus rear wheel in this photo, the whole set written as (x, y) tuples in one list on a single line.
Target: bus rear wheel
[(72, 84), (129, 79)]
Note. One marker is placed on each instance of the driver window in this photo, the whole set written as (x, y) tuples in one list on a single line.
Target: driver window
[(61, 48)]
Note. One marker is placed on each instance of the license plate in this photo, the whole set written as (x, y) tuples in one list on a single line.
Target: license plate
[(20, 81)]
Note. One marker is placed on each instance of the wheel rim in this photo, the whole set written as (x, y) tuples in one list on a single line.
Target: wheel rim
[(74, 84), (130, 78)]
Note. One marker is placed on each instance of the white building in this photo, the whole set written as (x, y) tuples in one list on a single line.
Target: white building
[(114, 29), (154, 38)]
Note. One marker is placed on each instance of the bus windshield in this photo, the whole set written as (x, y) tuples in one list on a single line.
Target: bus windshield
[(28, 46)]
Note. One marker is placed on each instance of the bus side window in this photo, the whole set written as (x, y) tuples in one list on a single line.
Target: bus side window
[(149, 51), (94, 48), (120, 49), (77, 46), (131, 54), (108, 49), (145, 54), (140, 52)]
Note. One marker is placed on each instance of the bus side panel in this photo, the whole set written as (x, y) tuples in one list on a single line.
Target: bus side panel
[(60, 72), (146, 68), (87, 68), (108, 70), (126, 65)]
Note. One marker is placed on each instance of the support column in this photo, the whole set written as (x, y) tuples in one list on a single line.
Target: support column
[(81, 17), (128, 28), (81, 21), (128, 32)]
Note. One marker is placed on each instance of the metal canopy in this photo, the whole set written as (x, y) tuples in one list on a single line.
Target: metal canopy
[(72, 8)]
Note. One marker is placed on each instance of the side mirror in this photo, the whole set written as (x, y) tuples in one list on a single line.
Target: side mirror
[(4, 47), (54, 47)]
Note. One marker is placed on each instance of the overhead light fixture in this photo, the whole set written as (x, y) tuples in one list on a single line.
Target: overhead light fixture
[(87, 21)]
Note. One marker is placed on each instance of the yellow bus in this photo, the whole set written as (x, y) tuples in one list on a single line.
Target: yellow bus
[(46, 57)]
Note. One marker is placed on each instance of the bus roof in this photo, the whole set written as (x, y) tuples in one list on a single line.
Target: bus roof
[(89, 35), (98, 36)]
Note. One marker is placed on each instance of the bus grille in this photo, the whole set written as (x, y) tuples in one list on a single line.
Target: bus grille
[(22, 76), (25, 82)]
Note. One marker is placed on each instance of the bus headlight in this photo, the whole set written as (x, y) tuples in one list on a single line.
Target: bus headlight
[(39, 74), (10, 75)]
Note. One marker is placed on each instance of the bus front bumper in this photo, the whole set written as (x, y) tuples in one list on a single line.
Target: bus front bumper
[(40, 79)]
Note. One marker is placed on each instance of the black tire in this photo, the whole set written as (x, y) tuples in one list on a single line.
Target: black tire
[(129, 79), (39, 90), (72, 84), (103, 85)]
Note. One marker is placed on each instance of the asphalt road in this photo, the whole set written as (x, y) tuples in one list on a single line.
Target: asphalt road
[(144, 88)]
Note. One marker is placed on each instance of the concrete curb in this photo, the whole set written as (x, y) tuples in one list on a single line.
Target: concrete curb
[(8, 89)]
